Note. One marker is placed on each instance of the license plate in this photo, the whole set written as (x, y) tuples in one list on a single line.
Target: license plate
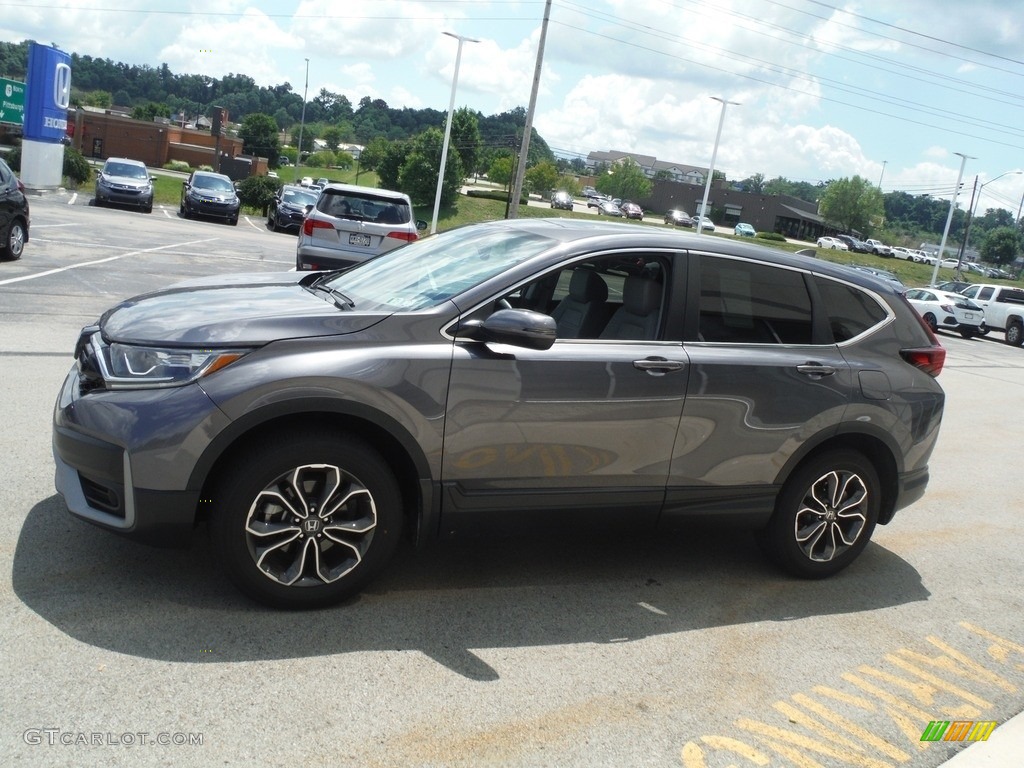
[(362, 240), (968, 316)]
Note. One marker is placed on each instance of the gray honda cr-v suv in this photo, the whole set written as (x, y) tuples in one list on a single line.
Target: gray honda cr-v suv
[(512, 371)]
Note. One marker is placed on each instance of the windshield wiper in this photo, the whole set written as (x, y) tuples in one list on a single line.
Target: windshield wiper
[(341, 301)]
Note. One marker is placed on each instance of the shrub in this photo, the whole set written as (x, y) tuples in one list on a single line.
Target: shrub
[(177, 165), (771, 236), (76, 167), (257, 191)]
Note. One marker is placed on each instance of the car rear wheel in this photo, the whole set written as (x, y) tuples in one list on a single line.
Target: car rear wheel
[(824, 515), (306, 519), (967, 333), (1015, 334), (14, 243)]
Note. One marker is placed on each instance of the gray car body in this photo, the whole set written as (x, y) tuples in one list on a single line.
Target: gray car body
[(476, 430), (113, 185)]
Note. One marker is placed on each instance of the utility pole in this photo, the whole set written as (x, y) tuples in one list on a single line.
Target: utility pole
[(517, 188)]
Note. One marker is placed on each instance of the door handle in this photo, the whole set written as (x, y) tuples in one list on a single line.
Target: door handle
[(658, 365), (816, 370)]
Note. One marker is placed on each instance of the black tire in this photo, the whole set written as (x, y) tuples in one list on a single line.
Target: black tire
[(1014, 334), (14, 241), (233, 221), (824, 515), (148, 208), (311, 470), (183, 209), (271, 224), (967, 333), (932, 322)]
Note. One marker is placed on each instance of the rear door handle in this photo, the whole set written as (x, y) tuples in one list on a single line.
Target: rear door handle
[(816, 370)]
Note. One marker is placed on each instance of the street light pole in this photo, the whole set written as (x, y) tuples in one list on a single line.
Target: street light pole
[(949, 217), (711, 169), (302, 125), (448, 127), (882, 175), (973, 207)]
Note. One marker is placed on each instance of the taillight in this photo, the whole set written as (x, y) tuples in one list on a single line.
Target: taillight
[(310, 224), (407, 236), (928, 359), (946, 308)]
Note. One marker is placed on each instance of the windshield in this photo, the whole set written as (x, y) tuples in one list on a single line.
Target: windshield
[(125, 170), (298, 197), (213, 183), (430, 271)]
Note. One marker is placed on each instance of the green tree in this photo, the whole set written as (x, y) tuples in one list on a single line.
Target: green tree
[(257, 191), (500, 171), (542, 177), (259, 137), (852, 204), (754, 184), (1001, 245), (332, 137), (418, 175), (98, 99), (625, 180), (465, 139), (373, 154), (390, 163), (150, 111)]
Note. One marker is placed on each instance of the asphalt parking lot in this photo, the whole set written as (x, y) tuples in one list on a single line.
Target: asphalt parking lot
[(682, 650)]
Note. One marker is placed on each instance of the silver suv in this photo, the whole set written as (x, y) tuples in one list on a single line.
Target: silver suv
[(124, 182), (526, 372), (349, 225)]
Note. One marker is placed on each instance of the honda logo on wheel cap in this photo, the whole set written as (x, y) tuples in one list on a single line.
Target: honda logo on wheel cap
[(311, 524)]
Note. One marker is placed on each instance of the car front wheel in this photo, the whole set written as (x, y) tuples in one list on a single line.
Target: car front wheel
[(306, 520), (824, 515), (932, 322)]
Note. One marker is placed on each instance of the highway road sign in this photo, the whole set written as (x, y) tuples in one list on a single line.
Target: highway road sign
[(12, 102)]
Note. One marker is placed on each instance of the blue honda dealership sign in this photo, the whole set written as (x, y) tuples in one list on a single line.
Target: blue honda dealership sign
[(47, 94)]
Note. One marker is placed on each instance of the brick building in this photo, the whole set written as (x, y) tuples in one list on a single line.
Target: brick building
[(101, 134)]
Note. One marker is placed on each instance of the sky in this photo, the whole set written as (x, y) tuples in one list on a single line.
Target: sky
[(890, 90)]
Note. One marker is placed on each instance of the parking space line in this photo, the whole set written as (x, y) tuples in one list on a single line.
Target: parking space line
[(103, 261)]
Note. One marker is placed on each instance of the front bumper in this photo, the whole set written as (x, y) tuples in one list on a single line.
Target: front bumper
[(125, 458), (201, 206)]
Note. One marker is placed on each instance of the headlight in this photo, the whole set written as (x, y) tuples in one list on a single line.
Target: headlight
[(126, 366)]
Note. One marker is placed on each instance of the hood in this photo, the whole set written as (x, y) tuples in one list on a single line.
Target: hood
[(236, 310), (125, 181)]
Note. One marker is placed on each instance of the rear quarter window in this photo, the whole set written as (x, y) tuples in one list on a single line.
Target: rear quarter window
[(851, 311)]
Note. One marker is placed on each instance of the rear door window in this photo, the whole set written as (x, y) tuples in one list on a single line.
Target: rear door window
[(851, 311)]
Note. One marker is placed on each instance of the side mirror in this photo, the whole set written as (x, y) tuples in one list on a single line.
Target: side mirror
[(308, 208), (420, 225), (516, 327)]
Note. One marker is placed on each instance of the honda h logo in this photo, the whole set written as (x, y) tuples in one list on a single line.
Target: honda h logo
[(62, 86), (311, 524)]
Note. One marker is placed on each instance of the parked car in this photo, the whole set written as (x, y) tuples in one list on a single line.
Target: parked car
[(950, 263), (878, 247), (883, 274), (678, 218), (832, 244), (705, 224), (853, 244), (631, 210), (351, 224), (951, 286), (123, 181), (744, 230), (209, 194), (949, 311), (309, 419), (904, 254), (288, 208), (322, 182), (608, 208), (1004, 309), (306, 181), (595, 200), (14, 215), (562, 199)]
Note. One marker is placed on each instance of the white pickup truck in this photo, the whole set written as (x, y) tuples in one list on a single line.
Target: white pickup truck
[(1004, 309)]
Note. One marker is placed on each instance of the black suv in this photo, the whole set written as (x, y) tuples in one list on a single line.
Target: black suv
[(523, 370), (14, 215)]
